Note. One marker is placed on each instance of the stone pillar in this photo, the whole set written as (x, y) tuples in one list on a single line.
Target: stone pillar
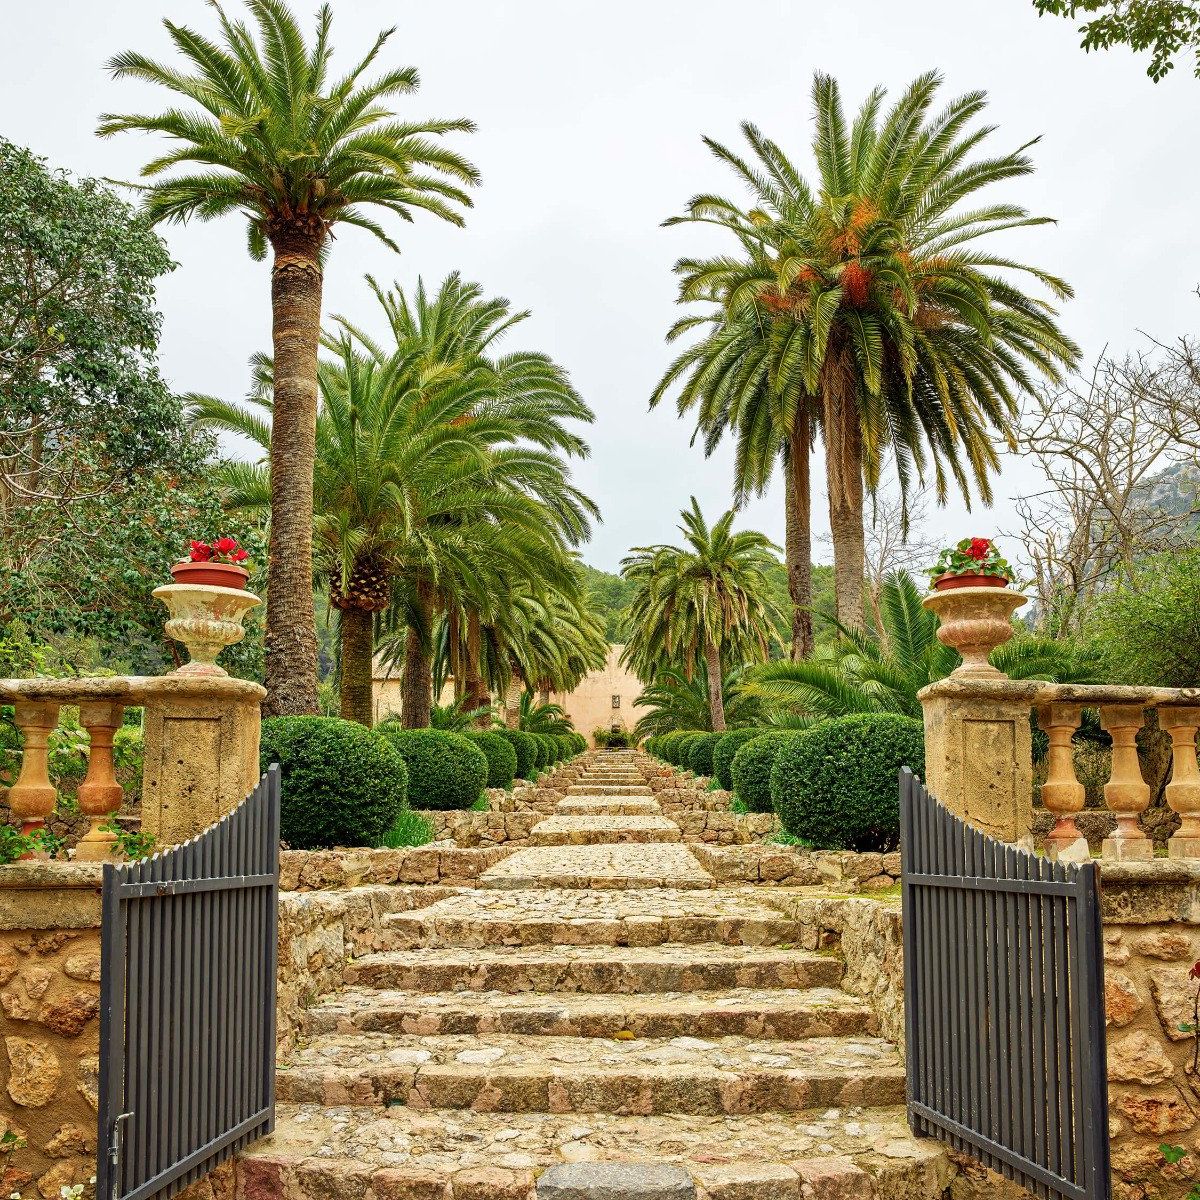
[(49, 1034), (200, 752), (979, 752)]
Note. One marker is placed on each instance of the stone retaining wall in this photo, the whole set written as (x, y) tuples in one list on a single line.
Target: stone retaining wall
[(482, 828), (49, 1001), (788, 866), (310, 870), (723, 828)]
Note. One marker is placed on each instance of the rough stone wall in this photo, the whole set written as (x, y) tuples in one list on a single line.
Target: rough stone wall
[(1151, 941), (311, 870), (482, 828), (787, 866), (49, 1001)]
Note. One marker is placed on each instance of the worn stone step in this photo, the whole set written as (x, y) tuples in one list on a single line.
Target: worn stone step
[(587, 788), (591, 829), (577, 917), (621, 970), (784, 1014), (615, 866), (609, 806), (452, 1154), (514, 1073)]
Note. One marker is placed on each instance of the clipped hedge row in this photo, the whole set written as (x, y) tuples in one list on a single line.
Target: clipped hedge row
[(726, 748), (446, 770), (501, 757), (751, 768)]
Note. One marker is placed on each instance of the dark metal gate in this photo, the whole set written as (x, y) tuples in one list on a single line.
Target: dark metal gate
[(1004, 1003), (187, 1003)]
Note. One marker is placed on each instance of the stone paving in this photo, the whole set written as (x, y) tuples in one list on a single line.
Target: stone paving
[(598, 1016)]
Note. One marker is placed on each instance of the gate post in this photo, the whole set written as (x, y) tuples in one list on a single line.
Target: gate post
[(979, 752)]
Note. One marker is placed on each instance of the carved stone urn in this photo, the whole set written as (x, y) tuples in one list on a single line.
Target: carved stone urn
[(974, 621), (205, 619)]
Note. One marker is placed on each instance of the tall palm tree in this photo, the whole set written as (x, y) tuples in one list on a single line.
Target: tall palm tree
[(913, 339), (677, 702), (275, 140), (883, 671), (705, 602)]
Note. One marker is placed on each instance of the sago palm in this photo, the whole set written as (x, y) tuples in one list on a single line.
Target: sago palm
[(267, 134), (863, 672), (876, 299), (707, 601)]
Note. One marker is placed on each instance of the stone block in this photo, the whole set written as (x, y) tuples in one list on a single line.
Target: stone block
[(1122, 1001), (33, 1071), (615, 1181), (1138, 1058)]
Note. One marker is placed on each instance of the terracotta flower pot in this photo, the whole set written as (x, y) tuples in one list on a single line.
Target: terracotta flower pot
[(211, 574), (948, 581)]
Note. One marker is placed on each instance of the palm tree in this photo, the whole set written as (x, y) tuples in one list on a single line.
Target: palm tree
[(533, 717), (865, 672), (274, 139), (677, 702), (708, 602), (875, 301)]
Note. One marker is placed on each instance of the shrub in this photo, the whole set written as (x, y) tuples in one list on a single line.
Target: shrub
[(670, 745), (751, 770), (526, 750), (700, 752), (568, 746), (341, 784), (445, 770), (619, 740), (543, 751), (500, 755), (683, 749), (726, 748), (580, 741), (836, 785), (599, 738)]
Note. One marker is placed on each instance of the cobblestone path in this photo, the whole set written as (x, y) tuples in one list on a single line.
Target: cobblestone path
[(597, 999)]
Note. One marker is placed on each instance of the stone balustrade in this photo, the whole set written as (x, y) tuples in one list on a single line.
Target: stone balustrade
[(200, 746)]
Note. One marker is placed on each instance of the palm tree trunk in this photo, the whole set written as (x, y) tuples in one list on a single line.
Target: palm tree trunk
[(798, 535), (291, 635), (716, 701), (477, 692), (416, 689), (512, 702), (358, 651), (844, 474)]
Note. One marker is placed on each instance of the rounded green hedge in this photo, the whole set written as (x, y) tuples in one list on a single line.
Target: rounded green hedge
[(500, 755), (836, 786), (341, 784), (666, 745), (751, 770), (543, 751), (683, 751), (568, 746), (525, 748), (445, 770), (700, 752), (727, 747)]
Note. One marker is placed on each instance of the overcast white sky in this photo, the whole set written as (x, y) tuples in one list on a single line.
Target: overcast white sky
[(590, 116)]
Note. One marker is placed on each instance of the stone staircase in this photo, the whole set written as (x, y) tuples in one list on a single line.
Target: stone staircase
[(597, 1020)]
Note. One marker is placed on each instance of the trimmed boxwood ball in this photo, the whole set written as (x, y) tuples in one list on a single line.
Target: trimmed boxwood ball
[(727, 747), (836, 786), (700, 754), (526, 750), (341, 784), (683, 751), (566, 745), (445, 770), (543, 751), (672, 745), (751, 770), (500, 755)]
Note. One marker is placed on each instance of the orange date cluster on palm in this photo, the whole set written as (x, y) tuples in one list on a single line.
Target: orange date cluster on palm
[(366, 589)]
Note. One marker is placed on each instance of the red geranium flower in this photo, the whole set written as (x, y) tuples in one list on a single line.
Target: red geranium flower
[(201, 552), (979, 548), (225, 545), (241, 556)]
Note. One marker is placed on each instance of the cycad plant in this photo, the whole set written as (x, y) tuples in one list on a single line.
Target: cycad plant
[(868, 294), (864, 672), (677, 702), (707, 601), (266, 133)]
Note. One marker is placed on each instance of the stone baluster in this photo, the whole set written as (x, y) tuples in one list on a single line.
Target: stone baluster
[(31, 799), (1183, 792), (100, 795), (1062, 793), (1126, 793)]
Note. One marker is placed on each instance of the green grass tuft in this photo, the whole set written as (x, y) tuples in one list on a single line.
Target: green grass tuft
[(409, 829)]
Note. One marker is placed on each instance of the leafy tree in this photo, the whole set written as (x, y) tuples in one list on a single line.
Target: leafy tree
[(677, 702), (1164, 27), (864, 673), (1147, 630), (868, 294), (707, 602), (273, 138)]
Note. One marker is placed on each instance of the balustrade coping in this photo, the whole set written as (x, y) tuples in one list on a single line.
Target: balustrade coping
[(42, 894), (1036, 692), (129, 689)]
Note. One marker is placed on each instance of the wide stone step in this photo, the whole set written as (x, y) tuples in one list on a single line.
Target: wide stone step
[(587, 788), (625, 970), (611, 806), (569, 829), (513, 1073), (784, 1014), (359, 1153), (651, 865), (577, 917)]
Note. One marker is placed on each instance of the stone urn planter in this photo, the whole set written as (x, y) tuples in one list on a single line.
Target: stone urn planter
[(974, 621), (206, 619)]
